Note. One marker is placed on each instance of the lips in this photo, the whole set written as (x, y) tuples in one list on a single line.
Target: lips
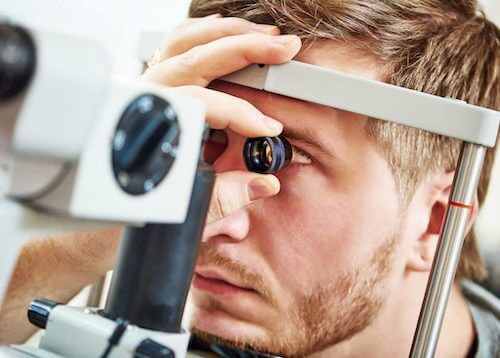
[(215, 283)]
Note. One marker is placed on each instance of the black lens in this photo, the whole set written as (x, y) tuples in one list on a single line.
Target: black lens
[(267, 155)]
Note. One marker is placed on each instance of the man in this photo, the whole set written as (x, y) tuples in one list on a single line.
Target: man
[(336, 264)]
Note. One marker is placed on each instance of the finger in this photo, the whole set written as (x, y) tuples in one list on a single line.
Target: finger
[(224, 111), (208, 29), (237, 189), (202, 64)]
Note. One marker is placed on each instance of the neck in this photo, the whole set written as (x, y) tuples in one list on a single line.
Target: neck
[(391, 334)]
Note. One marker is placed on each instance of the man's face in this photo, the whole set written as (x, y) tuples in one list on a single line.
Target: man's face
[(308, 268)]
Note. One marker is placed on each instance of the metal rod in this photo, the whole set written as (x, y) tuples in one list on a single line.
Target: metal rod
[(95, 293), (448, 251)]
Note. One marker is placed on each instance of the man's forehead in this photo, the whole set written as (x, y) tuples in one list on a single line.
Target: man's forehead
[(343, 57)]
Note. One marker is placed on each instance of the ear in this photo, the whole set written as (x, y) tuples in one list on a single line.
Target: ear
[(436, 198)]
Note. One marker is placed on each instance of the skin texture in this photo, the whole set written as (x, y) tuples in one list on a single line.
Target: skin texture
[(333, 255)]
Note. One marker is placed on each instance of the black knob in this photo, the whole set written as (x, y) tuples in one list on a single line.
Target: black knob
[(17, 60), (145, 144), (39, 311), (151, 349)]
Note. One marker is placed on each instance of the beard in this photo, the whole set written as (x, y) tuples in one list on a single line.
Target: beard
[(318, 319)]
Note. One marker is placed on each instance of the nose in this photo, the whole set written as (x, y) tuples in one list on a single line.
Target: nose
[(236, 225)]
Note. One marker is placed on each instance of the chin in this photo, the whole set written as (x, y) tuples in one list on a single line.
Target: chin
[(219, 323)]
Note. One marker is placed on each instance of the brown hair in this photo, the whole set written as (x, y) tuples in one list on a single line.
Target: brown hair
[(443, 47)]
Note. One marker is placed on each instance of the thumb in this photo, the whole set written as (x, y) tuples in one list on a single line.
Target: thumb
[(236, 189)]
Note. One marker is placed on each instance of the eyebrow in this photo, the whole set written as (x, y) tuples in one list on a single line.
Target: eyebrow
[(308, 137)]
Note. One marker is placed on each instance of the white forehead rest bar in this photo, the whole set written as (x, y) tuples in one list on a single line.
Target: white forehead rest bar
[(446, 116)]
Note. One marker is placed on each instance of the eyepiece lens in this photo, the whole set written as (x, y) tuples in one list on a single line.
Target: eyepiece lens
[(267, 155)]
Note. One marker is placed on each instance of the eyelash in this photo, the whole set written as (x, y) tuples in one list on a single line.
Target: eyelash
[(299, 157)]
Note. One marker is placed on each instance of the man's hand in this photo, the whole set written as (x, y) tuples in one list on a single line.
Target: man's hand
[(201, 50)]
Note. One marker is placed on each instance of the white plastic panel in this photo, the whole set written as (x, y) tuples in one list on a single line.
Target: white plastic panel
[(449, 117), (90, 190), (69, 86), (93, 331)]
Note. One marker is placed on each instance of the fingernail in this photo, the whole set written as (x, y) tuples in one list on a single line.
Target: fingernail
[(213, 15), (261, 188), (273, 125), (263, 27), (284, 39)]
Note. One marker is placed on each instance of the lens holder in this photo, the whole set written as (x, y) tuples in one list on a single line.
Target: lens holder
[(267, 155)]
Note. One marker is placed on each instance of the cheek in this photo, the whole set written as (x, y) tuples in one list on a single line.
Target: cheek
[(317, 228), (303, 235)]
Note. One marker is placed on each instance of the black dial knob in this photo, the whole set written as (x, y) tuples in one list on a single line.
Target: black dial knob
[(145, 144), (151, 349), (39, 311), (17, 60)]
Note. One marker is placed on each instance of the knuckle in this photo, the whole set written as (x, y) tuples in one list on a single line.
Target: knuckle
[(189, 60), (175, 37), (224, 200), (170, 43), (221, 208), (215, 213)]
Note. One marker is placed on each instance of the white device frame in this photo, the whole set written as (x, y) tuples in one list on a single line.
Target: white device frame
[(476, 126), (332, 88)]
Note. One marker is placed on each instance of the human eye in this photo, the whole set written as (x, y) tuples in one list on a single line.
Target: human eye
[(299, 157)]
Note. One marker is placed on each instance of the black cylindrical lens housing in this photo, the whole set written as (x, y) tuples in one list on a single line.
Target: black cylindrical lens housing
[(267, 155), (156, 265)]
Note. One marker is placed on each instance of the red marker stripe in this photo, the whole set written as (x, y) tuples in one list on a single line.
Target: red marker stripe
[(458, 205)]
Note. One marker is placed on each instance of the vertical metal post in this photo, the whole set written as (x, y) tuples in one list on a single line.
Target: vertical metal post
[(448, 251), (95, 294)]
